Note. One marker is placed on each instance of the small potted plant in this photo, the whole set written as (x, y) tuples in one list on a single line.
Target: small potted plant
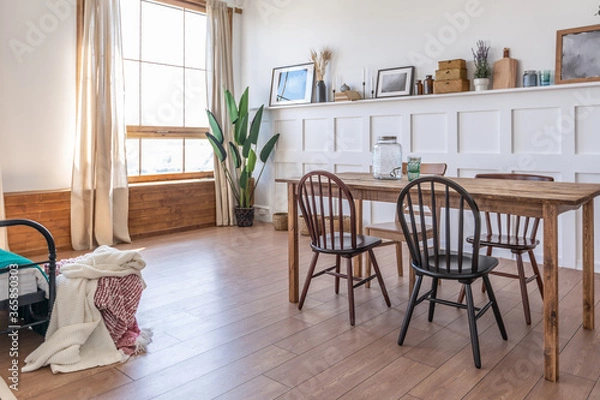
[(482, 67), (243, 151)]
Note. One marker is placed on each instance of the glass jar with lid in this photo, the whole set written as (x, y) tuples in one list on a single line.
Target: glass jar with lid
[(387, 158)]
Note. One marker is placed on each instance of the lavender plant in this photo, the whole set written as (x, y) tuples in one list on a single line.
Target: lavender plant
[(480, 59)]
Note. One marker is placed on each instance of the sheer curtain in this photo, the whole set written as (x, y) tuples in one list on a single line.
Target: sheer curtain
[(99, 193), (219, 76)]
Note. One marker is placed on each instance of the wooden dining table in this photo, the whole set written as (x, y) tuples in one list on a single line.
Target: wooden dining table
[(546, 200)]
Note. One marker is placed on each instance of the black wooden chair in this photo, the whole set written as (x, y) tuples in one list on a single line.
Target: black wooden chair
[(324, 199), (517, 234), (444, 256)]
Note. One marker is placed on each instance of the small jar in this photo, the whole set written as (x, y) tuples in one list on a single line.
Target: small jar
[(428, 84), (418, 87), (529, 78), (387, 158)]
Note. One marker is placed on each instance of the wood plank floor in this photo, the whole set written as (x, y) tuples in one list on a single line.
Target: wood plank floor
[(223, 328)]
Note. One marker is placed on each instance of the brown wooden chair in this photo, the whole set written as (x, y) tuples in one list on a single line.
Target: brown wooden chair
[(328, 208), (391, 232), (517, 234), (444, 255)]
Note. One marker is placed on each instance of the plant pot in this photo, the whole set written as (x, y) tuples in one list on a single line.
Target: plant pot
[(244, 216), (481, 84)]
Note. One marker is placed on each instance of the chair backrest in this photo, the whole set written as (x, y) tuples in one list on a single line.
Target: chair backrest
[(508, 224), (434, 251), (329, 211), (429, 168)]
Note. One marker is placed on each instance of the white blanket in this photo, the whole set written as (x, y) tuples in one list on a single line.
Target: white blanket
[(77, 337)]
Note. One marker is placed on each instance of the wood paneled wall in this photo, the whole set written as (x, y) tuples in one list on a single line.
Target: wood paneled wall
[(154, 209)]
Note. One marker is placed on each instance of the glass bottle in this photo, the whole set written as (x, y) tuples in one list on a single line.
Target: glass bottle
[(529, 78), (418, 87), (428, 84), (387, 158)]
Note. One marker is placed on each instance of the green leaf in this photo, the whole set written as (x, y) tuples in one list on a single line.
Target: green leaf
[(217, 147), (255, 126), (241, 129), (251, 162), (231, 107), (244, 180), (215, 127), (235, 154), (243, 110), (266, 151)]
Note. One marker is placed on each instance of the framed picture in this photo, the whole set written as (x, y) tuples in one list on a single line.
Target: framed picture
[(395, 82), (578, 55), (292, 84)]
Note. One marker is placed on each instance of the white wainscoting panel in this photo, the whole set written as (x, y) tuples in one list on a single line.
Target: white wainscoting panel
[(552, 130)]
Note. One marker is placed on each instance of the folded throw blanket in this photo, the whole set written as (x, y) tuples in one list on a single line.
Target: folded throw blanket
[(77, 337)]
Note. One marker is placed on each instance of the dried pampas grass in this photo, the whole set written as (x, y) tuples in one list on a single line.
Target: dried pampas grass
[(321, 60)]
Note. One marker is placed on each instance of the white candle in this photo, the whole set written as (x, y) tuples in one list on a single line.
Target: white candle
[(363, 76)]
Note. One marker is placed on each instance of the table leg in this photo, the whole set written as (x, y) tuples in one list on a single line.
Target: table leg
[(293, 258), (358, 205), (588, 264), (550, 215)]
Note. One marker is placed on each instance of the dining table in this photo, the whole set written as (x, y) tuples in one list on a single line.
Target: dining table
[(546, 200)]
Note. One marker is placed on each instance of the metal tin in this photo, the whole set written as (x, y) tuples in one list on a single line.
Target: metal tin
[(530, 78)]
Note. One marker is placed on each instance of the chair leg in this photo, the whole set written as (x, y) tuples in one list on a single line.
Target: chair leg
[(461, 295), (350, 281), (495, 308), (311, 271), (434, 288), (380, 278), (472, 325), (337, 270), (523, 285), (536, 271), (411, 280), (410, 308), (399, 258)]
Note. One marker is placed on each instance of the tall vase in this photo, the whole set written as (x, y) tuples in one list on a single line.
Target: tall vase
[(321, 92)]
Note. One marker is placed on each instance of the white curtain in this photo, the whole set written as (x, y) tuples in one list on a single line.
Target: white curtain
[(99, 196), (219, 76)]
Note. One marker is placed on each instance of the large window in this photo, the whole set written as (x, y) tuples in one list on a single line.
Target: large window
[(165, 91)]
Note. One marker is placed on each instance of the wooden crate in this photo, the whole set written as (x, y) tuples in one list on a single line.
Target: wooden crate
[(451, 86), (449, 64), (450, 73)]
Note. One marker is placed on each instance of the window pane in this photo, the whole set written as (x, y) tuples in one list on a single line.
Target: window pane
[(162, 156), (195, 98), (162, 34), (130, 28), (198, 155), (162, 95), (195, 40), (132, 92), (133, 156)]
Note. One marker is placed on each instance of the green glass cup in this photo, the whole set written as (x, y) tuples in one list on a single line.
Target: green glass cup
[(413, 167)]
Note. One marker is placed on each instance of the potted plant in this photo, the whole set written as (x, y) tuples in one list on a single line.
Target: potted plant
[(243, 151), (482, 67)]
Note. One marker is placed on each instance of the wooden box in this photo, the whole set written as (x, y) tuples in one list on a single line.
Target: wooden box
[(451, 73), (348, 95), (451, 86), (450, 64)]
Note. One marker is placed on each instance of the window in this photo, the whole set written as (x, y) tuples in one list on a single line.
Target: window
[(165, 91)]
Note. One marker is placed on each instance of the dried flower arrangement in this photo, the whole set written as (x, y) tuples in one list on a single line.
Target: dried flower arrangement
[(480, 58), (321, 60)]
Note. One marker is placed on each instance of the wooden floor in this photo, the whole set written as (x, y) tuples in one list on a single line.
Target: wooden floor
[(217, 301)]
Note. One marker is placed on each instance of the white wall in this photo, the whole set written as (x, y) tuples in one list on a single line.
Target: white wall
[(377, 34), (37, 93)]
